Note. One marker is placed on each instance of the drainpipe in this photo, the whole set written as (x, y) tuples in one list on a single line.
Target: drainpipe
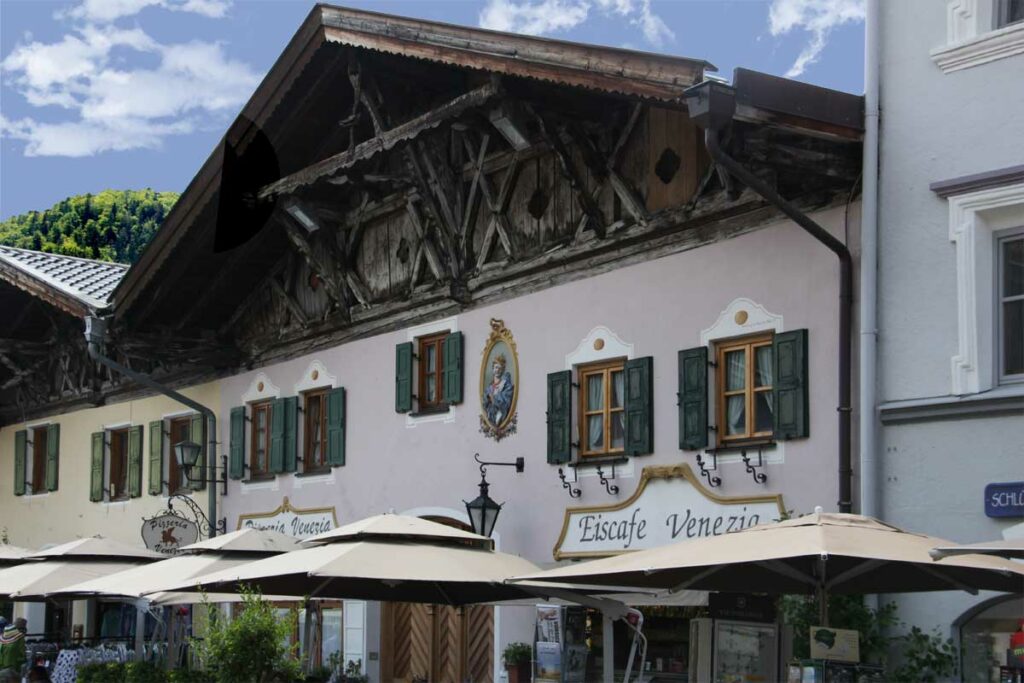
[(95, 334), (869, 271), (711, 106)]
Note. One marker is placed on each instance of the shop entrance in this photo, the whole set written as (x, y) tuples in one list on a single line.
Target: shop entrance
[(437, 643)]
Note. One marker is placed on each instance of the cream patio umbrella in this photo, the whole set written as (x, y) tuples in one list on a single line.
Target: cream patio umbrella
[(1007, 547), (206, 557), (819, 553), (12, 554), (86, 558), (386, 557)]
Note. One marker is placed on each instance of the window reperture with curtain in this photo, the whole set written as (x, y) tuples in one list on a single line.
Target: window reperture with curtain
[(745, 389)]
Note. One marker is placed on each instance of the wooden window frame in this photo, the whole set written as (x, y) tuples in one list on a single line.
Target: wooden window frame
[(436, 403), (255, 408), (748, 344), (307, 445), (1001, 299), (605, 368), (120, 435), (176, 481)]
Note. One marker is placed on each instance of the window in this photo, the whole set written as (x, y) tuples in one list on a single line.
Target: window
[(39, 459), (314, 452), (180, 430), (431, 377), (1009, 12), (602, 408), (429, 369), (117, 481), (745, 382), (1010, 313), (259, 464)]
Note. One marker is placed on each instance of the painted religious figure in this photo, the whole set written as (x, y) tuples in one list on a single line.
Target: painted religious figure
[(499, 376)]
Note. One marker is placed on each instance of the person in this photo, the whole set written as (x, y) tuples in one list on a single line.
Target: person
[(498, 394), (38, 674), (12, 647)]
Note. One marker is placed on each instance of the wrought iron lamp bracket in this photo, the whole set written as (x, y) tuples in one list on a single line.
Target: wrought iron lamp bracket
[(196, 515), (573, 492), (713, 481), (221, 478)]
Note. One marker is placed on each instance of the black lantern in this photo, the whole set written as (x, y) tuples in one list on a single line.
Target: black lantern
[(187, 454), (482, 510)]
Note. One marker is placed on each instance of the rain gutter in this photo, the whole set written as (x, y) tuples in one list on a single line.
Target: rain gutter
[(712, 106), (95, 336)]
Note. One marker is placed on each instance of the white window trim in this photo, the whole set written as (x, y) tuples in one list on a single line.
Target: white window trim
[(974, 220), (254, 394), (599, 345), (1003, 379), (756, 318), (970, 40), (411, 335)]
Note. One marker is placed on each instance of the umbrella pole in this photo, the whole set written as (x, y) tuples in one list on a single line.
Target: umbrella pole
[(822, 592)]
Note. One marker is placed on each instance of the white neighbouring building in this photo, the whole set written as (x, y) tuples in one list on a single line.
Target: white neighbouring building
[(951, 294)]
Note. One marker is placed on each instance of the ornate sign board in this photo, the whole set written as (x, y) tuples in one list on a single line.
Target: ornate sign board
[(293, 521), (168, 532), (669, 505), (499, 383)]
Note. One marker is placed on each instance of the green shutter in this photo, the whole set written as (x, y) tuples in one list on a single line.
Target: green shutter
[(236, 444), (403, 377), (639, 406), (693, 398), (135, 461), (96, 467), (277, 435), (156, 457), (290, 408), (197, 433), (52, 456), (789, 387), (451, 351), (20, 459), (560, 417), (336, 427)]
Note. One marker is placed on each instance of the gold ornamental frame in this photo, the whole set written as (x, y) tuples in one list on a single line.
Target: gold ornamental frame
[(681, 471), (286, 506), (499, 334)]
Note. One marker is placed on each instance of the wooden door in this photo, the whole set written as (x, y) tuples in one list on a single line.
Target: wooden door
[(436, 643)]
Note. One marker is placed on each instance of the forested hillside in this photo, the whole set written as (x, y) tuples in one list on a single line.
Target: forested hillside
[(114, 225)]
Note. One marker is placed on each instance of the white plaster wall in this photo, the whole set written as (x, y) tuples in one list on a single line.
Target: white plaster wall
[(934, 127)]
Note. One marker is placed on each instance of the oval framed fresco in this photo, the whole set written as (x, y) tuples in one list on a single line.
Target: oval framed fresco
[(499, 383)]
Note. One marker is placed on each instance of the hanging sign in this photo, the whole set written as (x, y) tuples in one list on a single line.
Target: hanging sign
[(1005, 499), (168, 532), (837, 644), (293, 521), (669, 505)]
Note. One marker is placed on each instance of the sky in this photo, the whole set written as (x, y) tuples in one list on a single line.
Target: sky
[(130, 94)]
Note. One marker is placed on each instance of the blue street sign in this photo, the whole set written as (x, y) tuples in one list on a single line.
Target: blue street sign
[(1005, 499)]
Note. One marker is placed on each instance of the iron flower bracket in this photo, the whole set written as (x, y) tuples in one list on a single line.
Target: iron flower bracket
[(713, 481), (573, 493), (759, 477), (612, 489)]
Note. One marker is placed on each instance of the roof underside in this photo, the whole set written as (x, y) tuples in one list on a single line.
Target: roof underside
[(72, 284)]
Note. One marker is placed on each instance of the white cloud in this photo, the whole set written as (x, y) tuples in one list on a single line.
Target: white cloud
[(106, 102), (538, 17), (818, 17), (104, 11)]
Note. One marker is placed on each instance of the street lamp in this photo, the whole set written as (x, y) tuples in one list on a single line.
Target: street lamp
[(187, 455), (482, 510)]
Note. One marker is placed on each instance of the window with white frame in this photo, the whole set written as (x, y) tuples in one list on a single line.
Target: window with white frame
[(1010, 306), (1009, 12)]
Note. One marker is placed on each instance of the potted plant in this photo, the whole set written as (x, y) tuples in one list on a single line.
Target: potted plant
[(517, 657)]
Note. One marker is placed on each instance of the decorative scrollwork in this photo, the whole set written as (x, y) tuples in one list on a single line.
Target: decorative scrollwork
[(713, 481), (195, 514), (573, 493), (759, 477)]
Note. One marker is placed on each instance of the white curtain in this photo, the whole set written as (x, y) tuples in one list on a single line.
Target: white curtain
[(736, 372)]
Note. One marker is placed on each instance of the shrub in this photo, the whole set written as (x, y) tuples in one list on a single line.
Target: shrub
[(517, 653), (252, 647)]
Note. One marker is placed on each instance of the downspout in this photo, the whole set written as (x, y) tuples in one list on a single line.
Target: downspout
[(869, 270), (711, 107), (95, 334)]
